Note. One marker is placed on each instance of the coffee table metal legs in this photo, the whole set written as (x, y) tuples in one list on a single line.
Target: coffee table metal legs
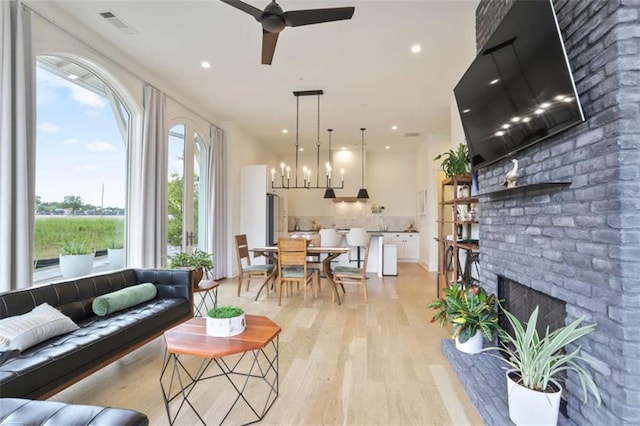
[(178, 383)]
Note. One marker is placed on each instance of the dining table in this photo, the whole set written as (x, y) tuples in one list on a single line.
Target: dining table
[(271, 252)]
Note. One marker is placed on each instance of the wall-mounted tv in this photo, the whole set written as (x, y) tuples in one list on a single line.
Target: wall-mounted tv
[(519, 89)]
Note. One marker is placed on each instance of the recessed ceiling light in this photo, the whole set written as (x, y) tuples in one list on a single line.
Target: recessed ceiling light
[(494, 81), (416, 48), (72, 77), (387, 147), (464, 111), (394, 127), (301, 149), (285, 131), (205, 64)]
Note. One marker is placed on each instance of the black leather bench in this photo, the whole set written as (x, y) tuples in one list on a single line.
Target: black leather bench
[(18, 411)]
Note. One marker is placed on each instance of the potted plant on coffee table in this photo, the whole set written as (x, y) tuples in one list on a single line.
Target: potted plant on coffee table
[(472, 313), (225, 321), (199, 261), (76, 259), (533, 391)]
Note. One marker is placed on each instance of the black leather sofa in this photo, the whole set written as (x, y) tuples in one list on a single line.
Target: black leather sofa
[(45, 369), (17, 411)]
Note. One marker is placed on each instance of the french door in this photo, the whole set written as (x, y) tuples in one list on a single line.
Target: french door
[(185, 194)]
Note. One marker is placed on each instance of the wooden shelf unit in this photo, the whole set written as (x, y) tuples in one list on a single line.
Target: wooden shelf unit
[(448, 224)]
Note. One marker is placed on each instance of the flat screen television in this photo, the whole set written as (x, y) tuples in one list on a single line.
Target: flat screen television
[(519, 90)]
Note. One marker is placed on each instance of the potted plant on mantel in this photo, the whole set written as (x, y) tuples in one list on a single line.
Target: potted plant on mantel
[(455, 163), (472, 313), (76, 259), (225, 321), (533, 394), (199, 261)]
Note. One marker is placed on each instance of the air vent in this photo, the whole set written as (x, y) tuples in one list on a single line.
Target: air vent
[(412, 134), (118, 22)]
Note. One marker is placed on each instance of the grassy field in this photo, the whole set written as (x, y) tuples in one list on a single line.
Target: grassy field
[(97, 232)]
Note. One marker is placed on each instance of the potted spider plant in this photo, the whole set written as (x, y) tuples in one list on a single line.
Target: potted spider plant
[(225, 321), (535, 363), (472, 313), (199, 261), (455, 162)]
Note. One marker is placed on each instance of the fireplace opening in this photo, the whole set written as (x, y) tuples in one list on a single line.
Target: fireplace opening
[(521, 300)]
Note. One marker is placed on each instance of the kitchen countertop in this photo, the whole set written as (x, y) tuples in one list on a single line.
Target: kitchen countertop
[(375, 232)]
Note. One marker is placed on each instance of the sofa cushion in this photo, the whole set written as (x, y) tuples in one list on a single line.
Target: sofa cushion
[(124, 298), (41, 323)]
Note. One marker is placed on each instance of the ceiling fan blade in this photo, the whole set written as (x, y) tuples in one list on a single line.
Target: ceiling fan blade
[(269, 41), (247, 8), (296, 18)]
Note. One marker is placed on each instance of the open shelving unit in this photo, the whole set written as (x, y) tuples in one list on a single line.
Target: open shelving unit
[(453, 232)]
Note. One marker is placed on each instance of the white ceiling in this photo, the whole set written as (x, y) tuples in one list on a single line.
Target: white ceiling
[(364, 65)]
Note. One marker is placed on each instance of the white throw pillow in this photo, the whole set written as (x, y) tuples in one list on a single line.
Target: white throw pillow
[(40, 324)]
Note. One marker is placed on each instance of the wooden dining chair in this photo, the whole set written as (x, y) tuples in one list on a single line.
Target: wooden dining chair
[(245, 268), (292, 264), (351, 275)]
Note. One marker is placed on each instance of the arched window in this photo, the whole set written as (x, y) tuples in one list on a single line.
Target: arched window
[(81, 167)]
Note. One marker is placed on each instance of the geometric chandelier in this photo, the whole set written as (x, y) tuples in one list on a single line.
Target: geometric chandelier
[(286, 182)]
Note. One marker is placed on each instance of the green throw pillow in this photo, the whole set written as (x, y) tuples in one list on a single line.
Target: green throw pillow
[(124, 298)]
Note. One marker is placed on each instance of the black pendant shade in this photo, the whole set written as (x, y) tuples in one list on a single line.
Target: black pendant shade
[(329, 193), (363, 193)]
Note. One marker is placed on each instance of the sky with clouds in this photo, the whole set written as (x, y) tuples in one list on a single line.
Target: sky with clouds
[(79, 147)]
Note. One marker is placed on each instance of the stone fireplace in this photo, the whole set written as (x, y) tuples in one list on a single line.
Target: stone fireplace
[(579, 243)]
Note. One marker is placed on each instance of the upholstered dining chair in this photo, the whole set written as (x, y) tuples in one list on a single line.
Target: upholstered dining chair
[(245, 268), (357, 237), (351, 275), (292, 266)]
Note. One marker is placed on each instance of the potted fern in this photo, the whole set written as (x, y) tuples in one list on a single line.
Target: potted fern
[(225, 321), (533, 391), (76, 259), (455, 163), (199, 261)]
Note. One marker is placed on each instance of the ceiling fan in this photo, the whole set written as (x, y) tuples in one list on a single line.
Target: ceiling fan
[(274, 20)]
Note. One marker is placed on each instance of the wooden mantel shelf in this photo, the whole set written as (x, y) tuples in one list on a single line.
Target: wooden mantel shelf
[(525, 188)]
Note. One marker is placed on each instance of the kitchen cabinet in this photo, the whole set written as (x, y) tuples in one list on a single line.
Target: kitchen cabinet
[(407, 243)]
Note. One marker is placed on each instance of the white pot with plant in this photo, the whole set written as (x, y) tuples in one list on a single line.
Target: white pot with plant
[(115, 254), (225, 321), (76, 259), (455, 163), (533, 392)]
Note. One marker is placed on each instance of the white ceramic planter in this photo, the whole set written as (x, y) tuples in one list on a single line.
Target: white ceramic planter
[(225, 327), (76, 265), (471, 346), (116, 258), (529, 407)]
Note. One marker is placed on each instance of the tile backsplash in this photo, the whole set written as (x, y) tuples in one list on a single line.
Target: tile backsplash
[(371, 222)]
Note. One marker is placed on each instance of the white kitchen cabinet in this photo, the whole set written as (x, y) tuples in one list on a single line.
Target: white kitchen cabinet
[(407, 243)]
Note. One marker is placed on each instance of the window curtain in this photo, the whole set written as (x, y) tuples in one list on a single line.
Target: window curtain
[(17, 146), (146, 236), (217, 203)]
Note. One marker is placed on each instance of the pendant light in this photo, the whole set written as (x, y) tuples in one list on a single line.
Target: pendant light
[(363, 193), (329, 193)]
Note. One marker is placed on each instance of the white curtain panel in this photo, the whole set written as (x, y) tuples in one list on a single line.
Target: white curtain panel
[(146, 236), (217, 203), (17, 146)]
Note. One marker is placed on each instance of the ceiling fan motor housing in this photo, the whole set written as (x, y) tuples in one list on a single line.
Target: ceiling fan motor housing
[(272, 18)]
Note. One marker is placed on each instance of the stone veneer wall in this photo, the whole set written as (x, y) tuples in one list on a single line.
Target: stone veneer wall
[(581, 243)]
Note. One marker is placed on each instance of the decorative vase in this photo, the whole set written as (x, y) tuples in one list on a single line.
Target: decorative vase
[(530, 407), (116, 258), (225, 327), (471, 346), (76, 265)]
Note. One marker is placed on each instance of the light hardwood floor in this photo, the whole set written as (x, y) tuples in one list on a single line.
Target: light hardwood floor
[(376, 363)]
